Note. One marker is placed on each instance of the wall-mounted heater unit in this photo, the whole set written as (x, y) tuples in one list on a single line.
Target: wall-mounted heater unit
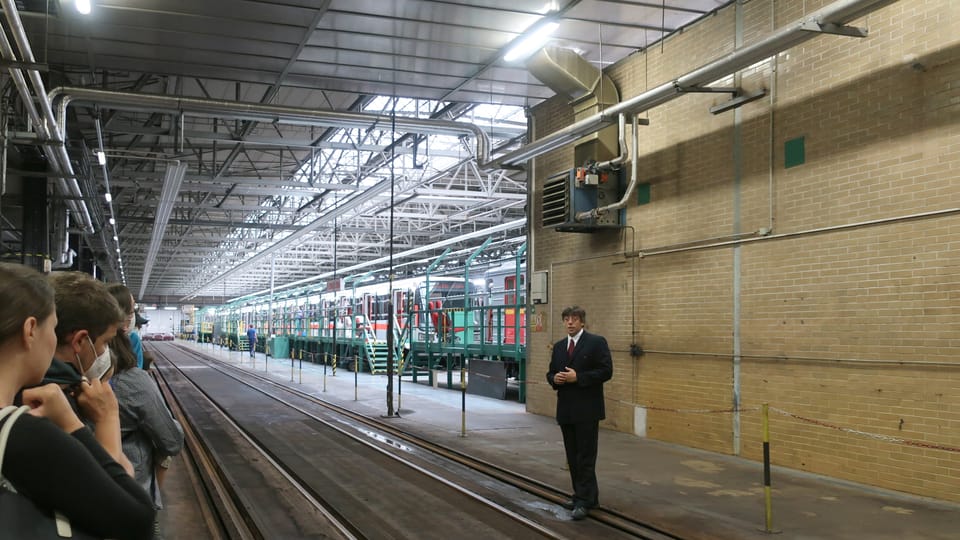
[(580, 190)]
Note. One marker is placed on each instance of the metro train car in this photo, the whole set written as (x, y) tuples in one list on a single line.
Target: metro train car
[(505, 316), (482, 318), (439, 315)]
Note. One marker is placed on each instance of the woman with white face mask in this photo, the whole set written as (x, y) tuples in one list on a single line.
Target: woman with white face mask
[(50, 458)]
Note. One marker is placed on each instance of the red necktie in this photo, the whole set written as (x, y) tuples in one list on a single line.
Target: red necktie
[(570, 346)]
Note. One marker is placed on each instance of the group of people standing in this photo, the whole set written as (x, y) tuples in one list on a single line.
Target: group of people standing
[(86, 436), (87, 431)]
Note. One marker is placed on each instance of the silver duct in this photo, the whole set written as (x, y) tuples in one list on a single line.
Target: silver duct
[(258, 112), (589, 90), (823, 20)]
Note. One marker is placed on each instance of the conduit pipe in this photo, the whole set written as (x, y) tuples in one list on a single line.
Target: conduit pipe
[(634, 151), (835, 14), (258, 112), (60, 160), (622, 137)]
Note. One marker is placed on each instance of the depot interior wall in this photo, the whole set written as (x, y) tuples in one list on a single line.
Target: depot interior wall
[(162, 321), (845, 317)]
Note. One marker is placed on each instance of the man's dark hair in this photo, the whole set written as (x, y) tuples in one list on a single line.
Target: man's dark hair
[(83, 303), (574, 311)]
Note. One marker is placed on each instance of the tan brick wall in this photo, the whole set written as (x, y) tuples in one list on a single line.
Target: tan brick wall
[(848, 315)]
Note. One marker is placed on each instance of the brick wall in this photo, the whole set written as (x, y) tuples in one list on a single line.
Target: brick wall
[(848, 313)]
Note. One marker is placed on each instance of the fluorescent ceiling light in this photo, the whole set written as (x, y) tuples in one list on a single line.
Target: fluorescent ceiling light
[(101, 157), (108, 197), (531, 43), (83, 6), (549, 7)]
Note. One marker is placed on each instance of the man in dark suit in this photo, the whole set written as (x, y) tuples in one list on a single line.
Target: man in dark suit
[(581, 363)]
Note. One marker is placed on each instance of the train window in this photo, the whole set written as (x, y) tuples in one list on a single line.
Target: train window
[(510, 284)]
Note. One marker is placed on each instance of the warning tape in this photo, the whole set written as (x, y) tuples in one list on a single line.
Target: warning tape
[(860, 433)]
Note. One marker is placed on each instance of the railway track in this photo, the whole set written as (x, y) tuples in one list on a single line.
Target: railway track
[(277, 462)]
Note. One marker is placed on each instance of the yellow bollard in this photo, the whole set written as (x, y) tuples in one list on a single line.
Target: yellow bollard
[(767, 500)]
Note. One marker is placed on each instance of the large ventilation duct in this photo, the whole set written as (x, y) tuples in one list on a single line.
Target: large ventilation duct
[(572, 192), (590, 92), (829, 19)]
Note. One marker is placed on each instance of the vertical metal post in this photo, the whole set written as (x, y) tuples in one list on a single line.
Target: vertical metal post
[(522, 392), (467, 327), (426, 301), (463, 397), (767, 502)]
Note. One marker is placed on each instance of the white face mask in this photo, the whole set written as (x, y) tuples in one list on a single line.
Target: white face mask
[(100, 366)]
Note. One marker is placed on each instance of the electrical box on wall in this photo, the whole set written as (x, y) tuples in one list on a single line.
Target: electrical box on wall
[(579, 190), (538, 287)]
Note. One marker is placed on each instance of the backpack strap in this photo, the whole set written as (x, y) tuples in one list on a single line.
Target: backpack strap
[(13, 412)]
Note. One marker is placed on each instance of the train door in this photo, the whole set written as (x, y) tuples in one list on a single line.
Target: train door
[(514, 311)]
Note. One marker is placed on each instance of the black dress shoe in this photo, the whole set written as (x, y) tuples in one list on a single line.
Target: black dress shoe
[(579, 513)]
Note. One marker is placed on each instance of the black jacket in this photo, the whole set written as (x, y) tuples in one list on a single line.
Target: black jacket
[(581, 401)]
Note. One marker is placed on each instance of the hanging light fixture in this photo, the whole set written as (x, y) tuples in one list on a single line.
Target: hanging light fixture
[(532, 42)]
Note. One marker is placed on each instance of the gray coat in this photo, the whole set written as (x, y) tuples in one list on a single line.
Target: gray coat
[(149, 431)]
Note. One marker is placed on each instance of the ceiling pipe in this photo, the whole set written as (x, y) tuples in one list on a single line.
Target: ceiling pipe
[(833, 15), (53, 147), (63, 97)]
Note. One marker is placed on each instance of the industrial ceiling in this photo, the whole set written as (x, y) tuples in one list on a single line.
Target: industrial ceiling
[(247, 182)]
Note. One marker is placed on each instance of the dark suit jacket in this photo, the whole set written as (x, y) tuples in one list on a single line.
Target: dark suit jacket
[(581, 401)]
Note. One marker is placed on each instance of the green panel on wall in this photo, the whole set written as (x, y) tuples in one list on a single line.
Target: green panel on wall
[(793, 153), (643, 193)]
